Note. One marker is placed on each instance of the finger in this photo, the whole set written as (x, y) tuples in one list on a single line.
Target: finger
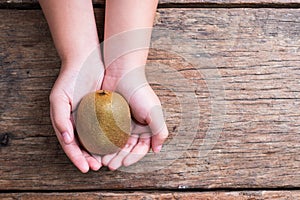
[(139, 150), (107, 158), (92, 161), (75, 154), (117, 161), (158, 139), (70, 147), (60, 110), (158, 127), (97, 157)]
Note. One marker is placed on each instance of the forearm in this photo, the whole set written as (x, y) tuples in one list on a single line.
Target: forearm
[(127, 22), (73, 28)]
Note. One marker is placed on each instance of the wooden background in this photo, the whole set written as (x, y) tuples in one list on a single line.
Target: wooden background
[(254, 48)]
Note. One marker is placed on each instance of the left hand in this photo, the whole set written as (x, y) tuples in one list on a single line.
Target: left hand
[(148, 128)]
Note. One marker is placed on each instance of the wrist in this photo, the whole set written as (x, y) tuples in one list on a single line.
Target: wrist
[(126, 84), (124, 64), (83, 62)]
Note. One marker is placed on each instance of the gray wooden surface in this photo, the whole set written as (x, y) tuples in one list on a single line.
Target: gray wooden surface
[(229, 83), (194, 2), (242, 195), (256, 53)]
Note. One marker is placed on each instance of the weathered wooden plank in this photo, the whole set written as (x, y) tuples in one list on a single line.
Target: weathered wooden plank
[(242, 195), (255, 51), (231, 1), (200, 2)]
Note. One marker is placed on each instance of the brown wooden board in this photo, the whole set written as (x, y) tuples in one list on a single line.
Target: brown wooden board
[(230, 1), (245, 62), (200, 2), (242, 195)]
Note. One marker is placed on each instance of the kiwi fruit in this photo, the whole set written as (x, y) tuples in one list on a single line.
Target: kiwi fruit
[(103, 122)]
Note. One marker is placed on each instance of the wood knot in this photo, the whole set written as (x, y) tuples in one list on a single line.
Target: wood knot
[(4, 139), (174, 128)]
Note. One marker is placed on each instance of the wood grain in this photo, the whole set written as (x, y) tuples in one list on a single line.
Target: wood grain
[(194, 2), (242, 195), (230, 1), (255, 52)]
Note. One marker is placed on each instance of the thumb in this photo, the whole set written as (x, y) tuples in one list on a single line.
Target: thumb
[(60, 110), (156, 122)]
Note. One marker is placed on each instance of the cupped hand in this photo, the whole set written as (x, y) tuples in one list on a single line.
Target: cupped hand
[(70, 86), (148, 128)]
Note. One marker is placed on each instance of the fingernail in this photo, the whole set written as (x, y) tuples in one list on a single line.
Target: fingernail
[(66, 137), (158, 149)]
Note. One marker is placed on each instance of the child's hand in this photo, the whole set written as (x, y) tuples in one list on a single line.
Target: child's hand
[(62, 103), (74, 32), (75, 37), (148, 126)]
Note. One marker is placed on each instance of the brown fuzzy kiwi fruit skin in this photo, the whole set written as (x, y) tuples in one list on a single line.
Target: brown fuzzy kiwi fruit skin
[(103, 122)]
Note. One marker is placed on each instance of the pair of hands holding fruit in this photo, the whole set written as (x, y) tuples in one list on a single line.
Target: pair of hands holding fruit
[(74, 32)]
